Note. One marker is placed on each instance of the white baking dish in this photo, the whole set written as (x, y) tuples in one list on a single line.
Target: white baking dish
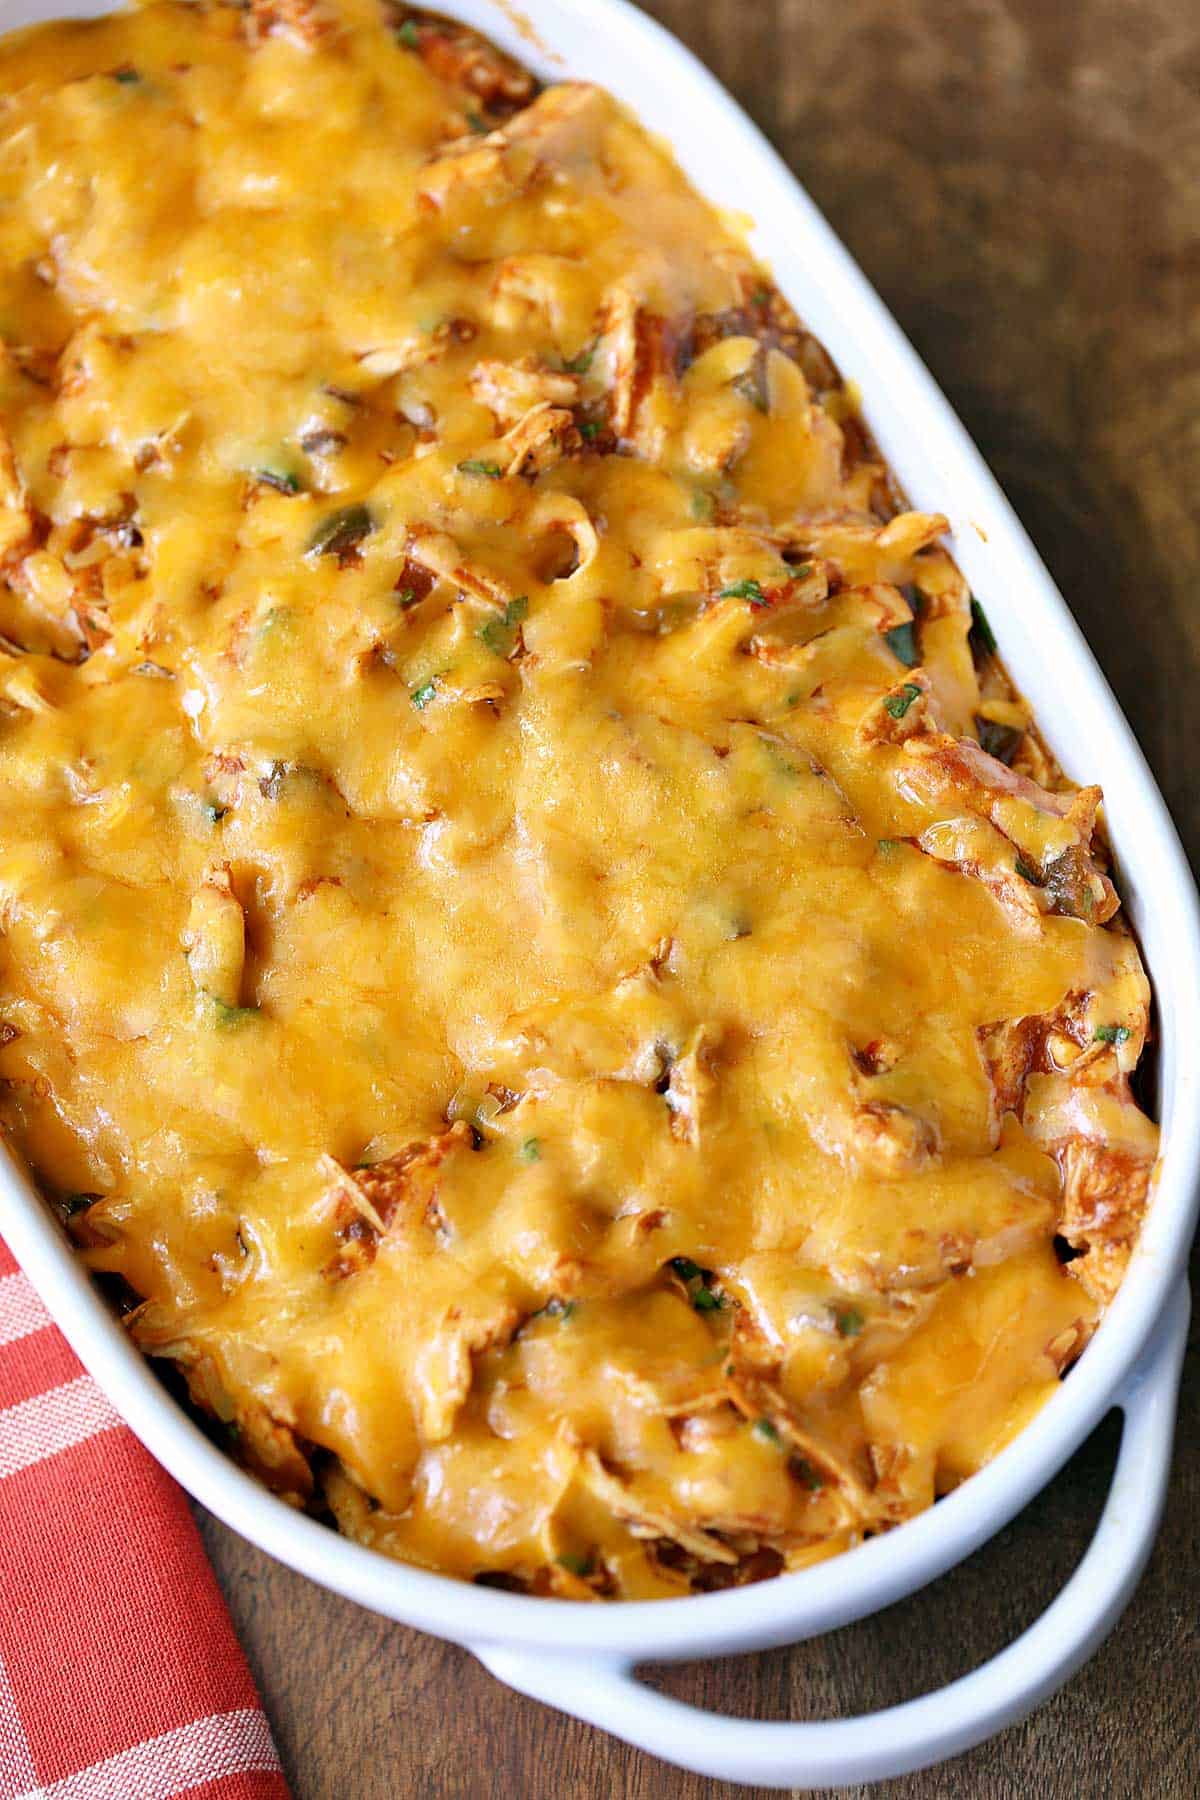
[(581, 1657)]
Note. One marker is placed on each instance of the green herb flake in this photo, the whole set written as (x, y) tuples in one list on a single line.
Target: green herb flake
[(499, 634), (765, 1432), (475, 465), (530, 1151), (231, 1016), (341, 531), (782, 765), (794, 698), (478, 123), (405, 598), (214, 813), (1112, 1034), (128, 77), (802, 571), (981, 629), (407, 34), (589, 430), (850, 1322), (750, 590), (685, 1268), (998, 740), (282, 480), (885, 846), (421, 696), (1026, 872), (902, 642), (579, 365), (804, 1472), (704, 1300), (574, 1563), (701, 505), (898, 704)]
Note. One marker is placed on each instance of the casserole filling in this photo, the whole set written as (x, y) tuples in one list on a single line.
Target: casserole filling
[(541, 957)]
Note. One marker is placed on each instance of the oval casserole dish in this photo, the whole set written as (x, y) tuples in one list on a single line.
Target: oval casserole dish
[(611, 44)]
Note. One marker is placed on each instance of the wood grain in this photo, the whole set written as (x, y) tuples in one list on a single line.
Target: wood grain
[(1021, 181)]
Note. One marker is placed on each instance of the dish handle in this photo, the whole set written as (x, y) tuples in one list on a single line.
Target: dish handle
[(878, 1745)]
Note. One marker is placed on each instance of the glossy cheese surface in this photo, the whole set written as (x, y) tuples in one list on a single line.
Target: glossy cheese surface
[(539, 952)]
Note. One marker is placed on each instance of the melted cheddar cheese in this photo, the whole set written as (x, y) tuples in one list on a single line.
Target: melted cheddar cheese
[(541, 957)]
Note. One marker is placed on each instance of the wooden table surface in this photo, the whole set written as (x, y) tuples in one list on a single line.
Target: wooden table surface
[(1021, 181)]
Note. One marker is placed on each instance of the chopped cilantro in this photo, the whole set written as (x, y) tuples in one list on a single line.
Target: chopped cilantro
[(704, 1300), (901, 641), (802, 571), (341, 531), (499, 634), (898, 704), (1026, 873), (475, 465), (685, 1268), (579, 365), (128, 76), (981, 630), (850, 1322), (214, 813), (406, 597), (589, 430), (530, 1151), (1112, 1034), (701, 505), (574, 1564), (765, 1431), (406, 34), (421, 696), (750, 590), (478, 123), (887, 845)]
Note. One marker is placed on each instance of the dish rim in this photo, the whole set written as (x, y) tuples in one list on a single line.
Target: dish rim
[(931, 451)]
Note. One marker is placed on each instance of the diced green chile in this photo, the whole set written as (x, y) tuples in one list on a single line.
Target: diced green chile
[(1000, 741), (341, 531), (282, 480), (902, 643)]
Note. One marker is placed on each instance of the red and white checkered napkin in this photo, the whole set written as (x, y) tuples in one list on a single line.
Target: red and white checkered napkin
[(120, 1675)]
